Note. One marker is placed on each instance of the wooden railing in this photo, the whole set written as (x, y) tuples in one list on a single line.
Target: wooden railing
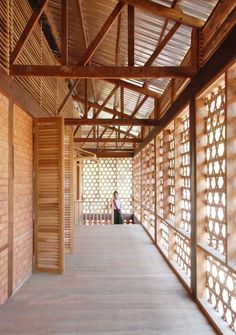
[(96, 212)]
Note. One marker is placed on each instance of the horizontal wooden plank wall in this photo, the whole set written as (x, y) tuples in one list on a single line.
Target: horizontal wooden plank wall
[(49, 195), (68, 188)]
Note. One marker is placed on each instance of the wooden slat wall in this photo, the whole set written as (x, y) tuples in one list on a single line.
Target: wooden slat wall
[(49, 195), (69, 193)]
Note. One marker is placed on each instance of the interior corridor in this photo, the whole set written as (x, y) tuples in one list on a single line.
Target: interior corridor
[(115, 282)]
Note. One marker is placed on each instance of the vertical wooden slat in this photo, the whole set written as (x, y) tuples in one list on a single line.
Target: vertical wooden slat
[(193, 196), (49, 195), (201, 195), (178, 175), (68, 188)]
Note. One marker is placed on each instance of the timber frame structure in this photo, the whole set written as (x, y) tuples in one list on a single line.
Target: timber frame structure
[(137, 80)]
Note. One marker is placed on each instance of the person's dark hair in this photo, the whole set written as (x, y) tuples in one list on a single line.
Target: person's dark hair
[(115, 193)]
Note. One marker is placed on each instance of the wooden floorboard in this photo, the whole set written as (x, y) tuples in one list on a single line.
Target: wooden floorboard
[(115, 283)]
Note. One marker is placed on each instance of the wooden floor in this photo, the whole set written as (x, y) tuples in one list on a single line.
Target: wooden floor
[(115, 283)]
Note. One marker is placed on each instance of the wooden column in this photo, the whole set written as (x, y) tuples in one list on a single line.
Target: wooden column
[(200, 196), (155, 187), (166, 134), (158, 199), (141, 188), (231, 165), (178, 174), (10, 196)]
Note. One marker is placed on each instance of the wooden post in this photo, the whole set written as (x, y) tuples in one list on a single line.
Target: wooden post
[(166, 134), (200, 196), (193, 195), (178, 174), (155, 188)]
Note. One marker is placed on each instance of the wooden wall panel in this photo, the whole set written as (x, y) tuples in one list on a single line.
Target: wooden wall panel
[(69, 190), (49, 195)]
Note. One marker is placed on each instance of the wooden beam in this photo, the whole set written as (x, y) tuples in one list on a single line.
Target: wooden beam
[(98, 106), (27, 30), (137, 108), (195, 48), (64, 32), (106, 140), (112, 154), (224, 55), (111, 122), (101, 72), (162, 44), (79, 8), (101, 34), (93, 47), (103, 106), (131, 35), (105, 102), (166, 12), (134, 88), (121, 131)]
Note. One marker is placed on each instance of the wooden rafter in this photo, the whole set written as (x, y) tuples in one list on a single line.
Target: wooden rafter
[(213, 67), (84, 33), (64, 32), (134, 88), (101, 72), (105, 102), (166, 12), (160, 46), (117, 52), (97, 106), (27, 30), (137, 108), (130, 35), (112, 122), (121, 83), (93, 47), (117, 130), (108, 98)]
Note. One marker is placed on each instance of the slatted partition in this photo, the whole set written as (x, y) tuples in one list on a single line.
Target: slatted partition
[(200, 245), (137, 188), (49, 195), (216, 225), (100, 179), (68, 189)]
